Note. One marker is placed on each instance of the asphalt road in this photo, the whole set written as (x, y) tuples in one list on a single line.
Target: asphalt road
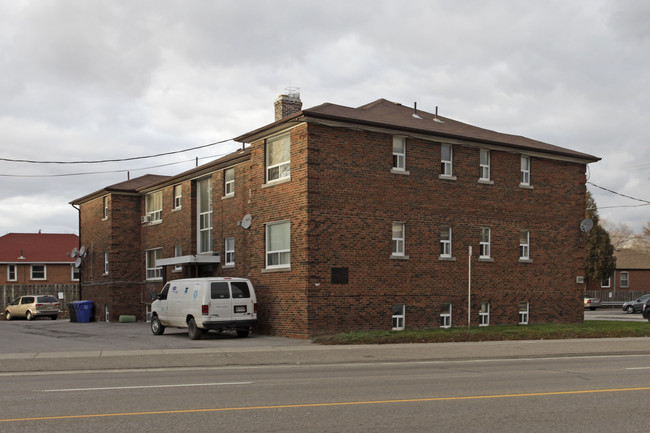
[(573, 394), (73, 377), (613, 314)]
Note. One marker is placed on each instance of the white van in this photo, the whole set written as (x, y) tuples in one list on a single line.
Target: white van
[(201, 304)]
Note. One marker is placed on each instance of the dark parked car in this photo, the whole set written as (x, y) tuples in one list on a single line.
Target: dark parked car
[(635, 306), (646, 310), (33, 306)]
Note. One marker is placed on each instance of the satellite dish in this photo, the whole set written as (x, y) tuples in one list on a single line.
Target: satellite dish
[(77, 262), (246, 221), (82, 251), (586, 225), (74, 252)]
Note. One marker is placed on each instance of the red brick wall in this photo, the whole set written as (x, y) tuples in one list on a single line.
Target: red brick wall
[(55, 274), (354, 198), (282, 295), (639, 280), (119, 235)]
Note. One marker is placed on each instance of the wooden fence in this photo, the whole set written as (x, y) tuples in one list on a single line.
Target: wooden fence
[(66, 293), (616, 297)]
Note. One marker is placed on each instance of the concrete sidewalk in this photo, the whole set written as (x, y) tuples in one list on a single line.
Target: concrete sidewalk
[(303, 352)]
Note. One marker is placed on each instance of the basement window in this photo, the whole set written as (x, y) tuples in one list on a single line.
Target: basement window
[(445, 316), (524, 312), (398, 317), (484, 314)]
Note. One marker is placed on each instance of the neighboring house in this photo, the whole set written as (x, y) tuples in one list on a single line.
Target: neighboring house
[(354, 219), (632, 273), (38, 263)]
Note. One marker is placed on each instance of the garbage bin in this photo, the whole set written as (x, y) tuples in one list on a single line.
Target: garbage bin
[(72, 311), (84, 311)]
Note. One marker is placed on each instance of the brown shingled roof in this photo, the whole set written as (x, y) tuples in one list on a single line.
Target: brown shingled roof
[(386, 114), (128, 186), (632, 259)]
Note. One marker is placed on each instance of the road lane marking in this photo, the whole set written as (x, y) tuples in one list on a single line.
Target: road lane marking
[(344, 403), (180, 385)]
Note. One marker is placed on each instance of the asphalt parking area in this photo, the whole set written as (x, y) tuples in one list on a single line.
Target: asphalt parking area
[(45, 335)]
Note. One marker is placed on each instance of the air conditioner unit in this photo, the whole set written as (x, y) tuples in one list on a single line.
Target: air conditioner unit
[(144, 219)]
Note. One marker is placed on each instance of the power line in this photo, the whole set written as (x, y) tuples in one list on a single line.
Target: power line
[(124, 170), (100, 161), (618, 193)]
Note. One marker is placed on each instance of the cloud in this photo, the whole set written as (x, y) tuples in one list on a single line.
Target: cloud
[(100, 80)]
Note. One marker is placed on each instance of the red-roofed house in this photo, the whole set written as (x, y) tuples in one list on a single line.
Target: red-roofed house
[(37, 263)]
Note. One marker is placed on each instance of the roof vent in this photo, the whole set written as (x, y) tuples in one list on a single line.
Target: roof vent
[(415, 110), (435, 118)]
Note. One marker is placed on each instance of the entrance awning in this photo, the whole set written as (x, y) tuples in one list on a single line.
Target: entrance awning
[(188, 260)]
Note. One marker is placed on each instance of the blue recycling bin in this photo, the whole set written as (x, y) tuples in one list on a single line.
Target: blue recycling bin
[(83, 311)]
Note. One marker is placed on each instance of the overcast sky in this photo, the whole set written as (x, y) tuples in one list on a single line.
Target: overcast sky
[(93, 80)]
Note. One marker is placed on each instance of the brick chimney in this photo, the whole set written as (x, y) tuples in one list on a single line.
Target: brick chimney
[(288, 103)]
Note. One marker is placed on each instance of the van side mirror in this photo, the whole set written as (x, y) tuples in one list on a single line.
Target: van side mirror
[(154, 296)]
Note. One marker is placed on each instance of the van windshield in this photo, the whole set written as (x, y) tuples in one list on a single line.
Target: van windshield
[(240, 289)]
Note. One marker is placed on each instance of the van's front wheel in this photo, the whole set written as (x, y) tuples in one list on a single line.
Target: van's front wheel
[(193, 331), (241, 333), (156, 327)]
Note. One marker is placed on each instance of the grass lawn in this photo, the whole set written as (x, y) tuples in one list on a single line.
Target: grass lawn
[(587, 329)]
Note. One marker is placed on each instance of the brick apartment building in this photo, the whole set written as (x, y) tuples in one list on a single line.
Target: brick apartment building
[(354, 219)]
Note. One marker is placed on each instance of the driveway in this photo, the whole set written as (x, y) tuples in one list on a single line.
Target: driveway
[(44, 335)]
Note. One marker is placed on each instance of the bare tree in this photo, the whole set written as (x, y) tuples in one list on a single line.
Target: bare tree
[(642, 241), (621, 235)]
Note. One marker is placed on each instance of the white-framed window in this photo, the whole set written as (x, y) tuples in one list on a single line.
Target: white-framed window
[(204, 215), (446, 160), (484, 314), (484, 243), (278, 245), (178, 196), (153, 272), (278, 157), (484, 165), (153, 205), (399, 153), (445, 241), (38, 272), (229, 182), (75, 273), (525, 170), (445, 315), (178, 251), (230, 251), (524, 312), (606, 283), (12, 273), (625, 279), (106, 263), (398, 238), (398, 317), (105, 207), (524, 245)]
